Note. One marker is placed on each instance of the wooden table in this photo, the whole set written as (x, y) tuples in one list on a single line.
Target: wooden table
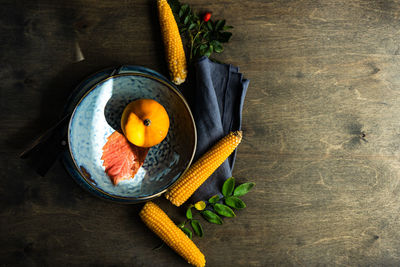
[(321, 133)]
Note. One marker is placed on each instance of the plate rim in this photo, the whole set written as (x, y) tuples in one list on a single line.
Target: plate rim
[(133, 73)]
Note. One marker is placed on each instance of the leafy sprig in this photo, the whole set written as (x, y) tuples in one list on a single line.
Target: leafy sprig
[(216, 206), (201, 36)]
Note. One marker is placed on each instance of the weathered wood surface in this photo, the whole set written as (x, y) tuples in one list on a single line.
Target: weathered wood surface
[(321, 133)]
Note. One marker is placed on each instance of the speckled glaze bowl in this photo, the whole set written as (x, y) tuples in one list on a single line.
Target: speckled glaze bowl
[(96, 107)]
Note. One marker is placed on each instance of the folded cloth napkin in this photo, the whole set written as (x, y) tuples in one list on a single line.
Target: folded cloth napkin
[(216, 104)]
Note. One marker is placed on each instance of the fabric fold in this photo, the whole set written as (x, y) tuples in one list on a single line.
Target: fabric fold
[(217, 110)]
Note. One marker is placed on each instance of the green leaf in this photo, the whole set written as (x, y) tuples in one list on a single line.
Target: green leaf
[(186, 21), (227, 28), (198, 230), (187, 232), (203, 47), (201, 50), (219, 25), (206, 36), (192, 26), (184, 7), (223, 210), (184, 12), (175, 5), (214, 199), (235, 202), (217, 46), (189, 214), (181, 13), (196, 51), (209, 51), (219, 49), (227, 188), (214, 43), (224, 37), (209, 25), (211, 217), (243, 189)]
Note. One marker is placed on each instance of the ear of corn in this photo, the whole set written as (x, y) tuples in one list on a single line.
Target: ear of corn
[(196, 175), (175, 54), (159, 222)]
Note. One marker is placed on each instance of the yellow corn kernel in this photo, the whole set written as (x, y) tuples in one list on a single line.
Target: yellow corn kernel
[(199, 172), (175, 54), (159, 222)]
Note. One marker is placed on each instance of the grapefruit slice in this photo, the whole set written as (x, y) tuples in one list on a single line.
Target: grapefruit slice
[(122, 159)]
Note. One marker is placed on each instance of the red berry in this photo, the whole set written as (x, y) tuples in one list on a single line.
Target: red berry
[(207, 16)]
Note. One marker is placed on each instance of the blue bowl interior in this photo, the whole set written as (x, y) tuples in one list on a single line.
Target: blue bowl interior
[(98, 115)]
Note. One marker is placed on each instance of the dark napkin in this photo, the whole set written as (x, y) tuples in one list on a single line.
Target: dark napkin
[(216, 105)]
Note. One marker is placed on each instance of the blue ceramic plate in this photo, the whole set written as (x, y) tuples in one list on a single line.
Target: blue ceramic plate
[(96, 116)]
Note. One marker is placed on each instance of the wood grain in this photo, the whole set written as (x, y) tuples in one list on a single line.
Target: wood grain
[(321, 133)]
